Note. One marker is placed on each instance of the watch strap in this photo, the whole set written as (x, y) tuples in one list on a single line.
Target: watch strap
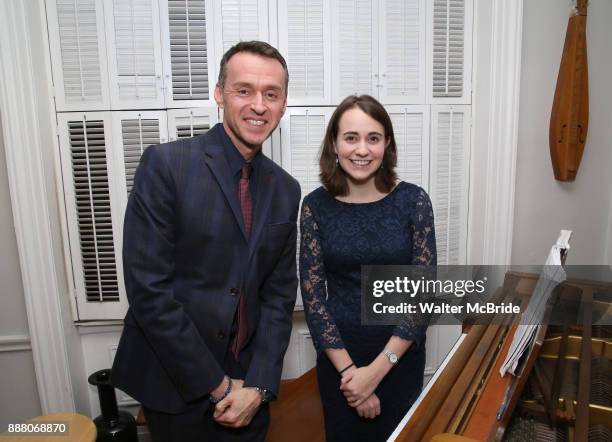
[(266, 396)]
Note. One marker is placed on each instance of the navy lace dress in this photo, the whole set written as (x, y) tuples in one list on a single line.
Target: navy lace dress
[(336, 239)]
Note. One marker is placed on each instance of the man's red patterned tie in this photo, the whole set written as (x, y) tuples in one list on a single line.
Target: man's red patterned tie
[(246, 205)]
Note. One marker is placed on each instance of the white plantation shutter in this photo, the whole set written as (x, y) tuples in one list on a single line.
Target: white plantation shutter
[(93, 215), (354, 37), (136, 135), (449, 63), (411, 130), (402, 48), (241, 20), (304, 41), (133, 132), (185, 123), (302, 132), (188, 59), (77, 43), (450, 180), (125, 56), (134, 46)]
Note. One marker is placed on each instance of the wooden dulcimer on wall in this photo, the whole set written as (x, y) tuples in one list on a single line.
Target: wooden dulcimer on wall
[(570, 112)]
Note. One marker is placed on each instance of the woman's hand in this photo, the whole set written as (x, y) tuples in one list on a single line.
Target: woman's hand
[(370, 408), (359, 384)]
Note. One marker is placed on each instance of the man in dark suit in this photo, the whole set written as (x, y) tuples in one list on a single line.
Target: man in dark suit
[(209, 263)]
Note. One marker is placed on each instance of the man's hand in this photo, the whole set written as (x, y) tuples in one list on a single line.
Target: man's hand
[(370, 408), (238, 408), (359, 384)]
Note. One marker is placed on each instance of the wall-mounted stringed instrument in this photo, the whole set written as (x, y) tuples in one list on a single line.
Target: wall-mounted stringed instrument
[(569, 118)]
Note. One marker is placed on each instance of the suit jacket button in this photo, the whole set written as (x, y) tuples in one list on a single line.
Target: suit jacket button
[(221, 335), (234, 291)]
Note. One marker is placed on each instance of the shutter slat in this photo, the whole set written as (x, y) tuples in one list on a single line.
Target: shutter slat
[(306, 133), (192, 124), (188, 54), (93, 210), (403, 52), (137, 135), (80, 51), (450, 178), (136, 65), (240, 21), (408, 129), (354, 41), (305, 50), (448, 48)]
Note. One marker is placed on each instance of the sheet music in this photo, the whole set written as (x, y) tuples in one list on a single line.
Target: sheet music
[(552, 274)]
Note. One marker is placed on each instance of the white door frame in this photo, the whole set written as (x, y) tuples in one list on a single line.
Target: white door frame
[(23, 113)]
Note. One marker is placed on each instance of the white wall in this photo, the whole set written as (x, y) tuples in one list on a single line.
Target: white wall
[(543, 205), (18, 393)]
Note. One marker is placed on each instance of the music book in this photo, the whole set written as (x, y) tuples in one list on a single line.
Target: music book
[(552, 275)]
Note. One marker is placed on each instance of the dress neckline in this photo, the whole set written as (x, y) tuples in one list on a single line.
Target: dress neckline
[(371, 202)]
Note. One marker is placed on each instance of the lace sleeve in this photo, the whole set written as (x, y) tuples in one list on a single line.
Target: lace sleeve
[(423, 253), (322, 327), (423, 232)]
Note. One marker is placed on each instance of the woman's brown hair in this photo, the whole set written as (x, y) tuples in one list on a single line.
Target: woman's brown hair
[(331, 174)]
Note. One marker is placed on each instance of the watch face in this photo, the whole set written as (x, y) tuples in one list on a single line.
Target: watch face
[(267, 396), (393, 358)]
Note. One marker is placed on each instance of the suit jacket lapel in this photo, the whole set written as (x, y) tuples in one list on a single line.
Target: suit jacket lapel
[(215, 160), (265, 187)]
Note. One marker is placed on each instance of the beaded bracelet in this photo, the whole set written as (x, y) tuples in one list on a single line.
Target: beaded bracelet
[(227, 391)]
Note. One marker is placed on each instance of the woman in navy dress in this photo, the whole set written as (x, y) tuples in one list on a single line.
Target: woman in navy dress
[(362, 215)]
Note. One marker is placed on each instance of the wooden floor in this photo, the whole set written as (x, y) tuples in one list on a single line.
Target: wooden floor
[(297, 415)]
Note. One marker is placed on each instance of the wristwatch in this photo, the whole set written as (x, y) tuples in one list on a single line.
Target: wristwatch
[(391, 356), (266, 396)]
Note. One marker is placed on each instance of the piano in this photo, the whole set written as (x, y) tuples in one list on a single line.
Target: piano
[(563, 390)]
